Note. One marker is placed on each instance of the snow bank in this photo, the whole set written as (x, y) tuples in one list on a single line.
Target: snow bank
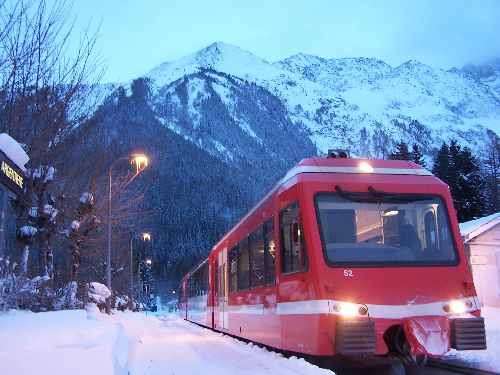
[(62, 342)]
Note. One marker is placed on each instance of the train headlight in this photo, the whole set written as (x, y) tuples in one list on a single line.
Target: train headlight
[(348, 309), (365, 167), (457, 306)]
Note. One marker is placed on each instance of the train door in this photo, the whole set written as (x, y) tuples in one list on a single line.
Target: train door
[(295, 283), (223, 289)]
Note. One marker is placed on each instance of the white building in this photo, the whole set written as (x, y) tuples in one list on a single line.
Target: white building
[(481, 238)]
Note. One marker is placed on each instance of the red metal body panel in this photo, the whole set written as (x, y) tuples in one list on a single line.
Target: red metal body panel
[(297, 312)]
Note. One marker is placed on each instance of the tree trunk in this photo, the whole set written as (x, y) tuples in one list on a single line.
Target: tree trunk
[(49, 259), (24, 260)]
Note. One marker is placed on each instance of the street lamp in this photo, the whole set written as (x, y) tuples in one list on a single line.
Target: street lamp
[(141, 162)]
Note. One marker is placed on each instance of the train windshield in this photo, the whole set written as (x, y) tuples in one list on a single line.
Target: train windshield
[(405, 230)]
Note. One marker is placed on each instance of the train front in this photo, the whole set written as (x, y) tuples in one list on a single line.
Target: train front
[(392, 266)]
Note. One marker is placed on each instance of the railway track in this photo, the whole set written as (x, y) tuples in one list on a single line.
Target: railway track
[(384, 366), (457, 367)]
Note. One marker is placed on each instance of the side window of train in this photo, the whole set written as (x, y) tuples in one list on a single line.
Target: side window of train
[(293, 249), (257, 258), (217, 291), (269, 251), (243, 264), (233, 269)]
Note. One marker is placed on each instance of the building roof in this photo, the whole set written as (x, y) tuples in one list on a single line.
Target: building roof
[(471, 229)]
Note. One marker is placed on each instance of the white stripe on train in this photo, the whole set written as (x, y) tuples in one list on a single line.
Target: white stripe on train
[(331, 307)]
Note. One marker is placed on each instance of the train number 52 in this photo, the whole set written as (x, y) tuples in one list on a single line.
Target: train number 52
[(348, 273)]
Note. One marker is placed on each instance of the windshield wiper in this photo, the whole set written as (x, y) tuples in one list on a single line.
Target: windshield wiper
[(399, 198), (356, 197), (379, 196)]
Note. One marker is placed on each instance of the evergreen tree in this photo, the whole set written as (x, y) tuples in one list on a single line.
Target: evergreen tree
[(460, 170), (454, 180), (471, 186), (402, 152), (442, 163), (491, 172), (416, 156)]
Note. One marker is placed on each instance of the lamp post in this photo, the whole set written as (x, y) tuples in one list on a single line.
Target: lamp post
[(131, 297), (141, 161)]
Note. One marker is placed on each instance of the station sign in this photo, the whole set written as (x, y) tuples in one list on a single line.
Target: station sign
[(11, 176)]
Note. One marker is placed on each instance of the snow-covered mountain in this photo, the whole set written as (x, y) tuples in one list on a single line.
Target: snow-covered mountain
[(222, 125), (489, 74), (361, 104)]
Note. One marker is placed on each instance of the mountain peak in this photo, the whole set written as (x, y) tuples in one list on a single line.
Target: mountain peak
[(299, 62), (218, 52), (414, 64), (218, 56)]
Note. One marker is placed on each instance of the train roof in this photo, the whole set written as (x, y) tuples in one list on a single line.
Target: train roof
[(341, 166)]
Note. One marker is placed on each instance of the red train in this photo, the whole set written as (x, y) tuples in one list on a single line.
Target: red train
[(343, 256)]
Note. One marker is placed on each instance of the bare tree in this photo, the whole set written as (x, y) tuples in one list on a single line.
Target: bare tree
[(45, 93)]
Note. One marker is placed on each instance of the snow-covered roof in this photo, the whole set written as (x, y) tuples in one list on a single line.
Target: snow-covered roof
[(13, 150), (473, 228)]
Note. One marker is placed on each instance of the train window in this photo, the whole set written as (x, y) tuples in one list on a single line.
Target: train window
[(292, 240), (257, 258), (269, 251), (243, 265), (397, 230), (233, 269), (217, 287), (198, 282)]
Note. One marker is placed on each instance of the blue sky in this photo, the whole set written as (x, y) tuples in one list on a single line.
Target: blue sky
[(136, 36)]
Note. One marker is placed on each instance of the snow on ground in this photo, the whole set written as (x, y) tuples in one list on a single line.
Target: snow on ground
[(82, 343)]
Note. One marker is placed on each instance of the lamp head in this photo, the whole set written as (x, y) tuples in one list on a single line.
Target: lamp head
[(140, 161)]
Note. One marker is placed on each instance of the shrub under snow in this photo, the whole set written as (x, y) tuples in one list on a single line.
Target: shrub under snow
[(97, 293)]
